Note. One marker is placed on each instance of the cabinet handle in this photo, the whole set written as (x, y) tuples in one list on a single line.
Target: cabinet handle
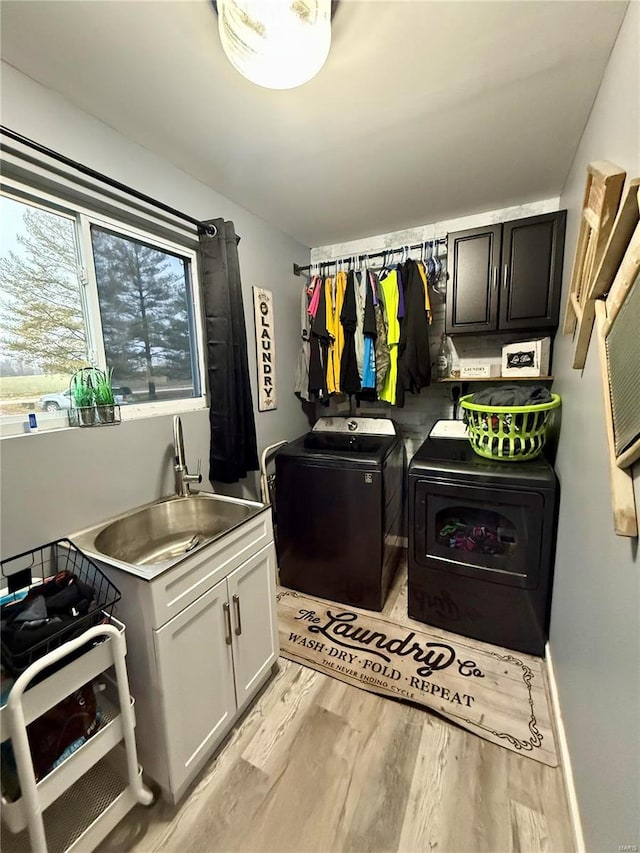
[(505, 279), (227, 616), (495, 277), (236, 601)]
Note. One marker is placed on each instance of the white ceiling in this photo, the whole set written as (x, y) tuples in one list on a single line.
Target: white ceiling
[(423, 111)]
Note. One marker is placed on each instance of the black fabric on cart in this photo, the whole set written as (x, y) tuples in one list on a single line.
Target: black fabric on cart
[(56, 606)]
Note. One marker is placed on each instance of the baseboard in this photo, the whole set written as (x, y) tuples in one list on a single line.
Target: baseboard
[(565, 758)]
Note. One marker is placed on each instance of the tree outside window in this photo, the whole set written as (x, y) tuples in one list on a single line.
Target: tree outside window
[(143, 295)]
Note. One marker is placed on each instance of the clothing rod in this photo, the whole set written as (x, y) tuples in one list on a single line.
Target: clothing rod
[(298, 270), (105, 179)]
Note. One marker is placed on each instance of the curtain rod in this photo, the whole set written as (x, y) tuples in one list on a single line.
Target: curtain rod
[(99, 176), (298, 270)]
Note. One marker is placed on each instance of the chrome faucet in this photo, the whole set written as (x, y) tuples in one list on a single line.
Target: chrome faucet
[(182, 475)]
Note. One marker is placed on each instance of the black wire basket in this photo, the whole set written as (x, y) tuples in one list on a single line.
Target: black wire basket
[(25, 574)]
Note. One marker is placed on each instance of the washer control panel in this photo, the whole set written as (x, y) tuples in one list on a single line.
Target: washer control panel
[(361, 426)]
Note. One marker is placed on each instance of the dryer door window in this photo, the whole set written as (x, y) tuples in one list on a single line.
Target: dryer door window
[(493, 534)]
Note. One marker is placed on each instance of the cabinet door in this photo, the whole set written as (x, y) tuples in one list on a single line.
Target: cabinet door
[(531, 274), (195, 670), (472, 286), (255, 632)]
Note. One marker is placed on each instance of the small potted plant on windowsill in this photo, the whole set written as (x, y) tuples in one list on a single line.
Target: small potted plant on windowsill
[(103, 391), (84, 397)]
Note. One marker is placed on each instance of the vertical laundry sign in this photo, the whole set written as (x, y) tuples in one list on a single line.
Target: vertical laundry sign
[(265, 349)]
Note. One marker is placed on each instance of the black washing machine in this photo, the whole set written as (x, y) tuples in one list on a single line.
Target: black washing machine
[(339, 499), (481, 544)]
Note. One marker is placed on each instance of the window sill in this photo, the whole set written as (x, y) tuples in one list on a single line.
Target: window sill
[(15, 426)]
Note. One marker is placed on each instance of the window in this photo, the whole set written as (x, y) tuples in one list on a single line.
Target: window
[(144, 306), (76, 290)]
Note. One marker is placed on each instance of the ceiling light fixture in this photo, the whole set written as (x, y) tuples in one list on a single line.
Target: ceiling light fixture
[(278, 44)]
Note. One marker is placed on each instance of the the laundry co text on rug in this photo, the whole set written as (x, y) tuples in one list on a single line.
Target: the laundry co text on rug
[(369, 656), (491, 691)]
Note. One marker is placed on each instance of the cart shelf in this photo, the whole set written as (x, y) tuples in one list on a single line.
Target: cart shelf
[(86, 812), (104, 769)]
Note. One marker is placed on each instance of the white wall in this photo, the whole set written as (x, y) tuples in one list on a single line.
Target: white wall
[(52, 484), (595, 621), (432, 230)]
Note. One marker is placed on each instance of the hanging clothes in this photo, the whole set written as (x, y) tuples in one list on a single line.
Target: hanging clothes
[(399, 272), (369, 331), (315, 297), (427, 298), (381, 346), (349, 376), (368, 335), (301, 376), (319, 346), (360, 286), (414, 360), (334, 296), (391, 298)]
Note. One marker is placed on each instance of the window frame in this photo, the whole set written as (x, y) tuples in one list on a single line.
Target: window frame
[(83, 218)]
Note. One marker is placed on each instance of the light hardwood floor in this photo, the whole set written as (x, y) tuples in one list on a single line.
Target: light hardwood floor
[(318, 765)]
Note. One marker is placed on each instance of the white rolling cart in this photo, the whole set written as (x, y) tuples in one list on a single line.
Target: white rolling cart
[(77, 803), (104, 771)]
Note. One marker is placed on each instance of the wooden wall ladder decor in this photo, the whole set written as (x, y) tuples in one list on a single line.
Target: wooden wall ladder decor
[(601, 199), (621, 233), (618, 332)]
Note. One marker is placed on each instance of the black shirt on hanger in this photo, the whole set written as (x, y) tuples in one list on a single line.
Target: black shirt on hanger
[(349, 376)]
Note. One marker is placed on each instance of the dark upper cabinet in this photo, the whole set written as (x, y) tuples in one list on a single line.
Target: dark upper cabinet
[(506, 277), (472, 287)]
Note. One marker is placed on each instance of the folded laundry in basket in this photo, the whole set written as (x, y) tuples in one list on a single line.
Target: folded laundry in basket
[(510, 395)]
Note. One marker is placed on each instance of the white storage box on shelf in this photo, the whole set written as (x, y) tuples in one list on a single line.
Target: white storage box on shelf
[(477, 359), (475, 370), (80, 801), (526, 358)]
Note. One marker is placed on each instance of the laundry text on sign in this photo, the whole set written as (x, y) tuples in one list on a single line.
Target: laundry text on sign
[(265, 348)]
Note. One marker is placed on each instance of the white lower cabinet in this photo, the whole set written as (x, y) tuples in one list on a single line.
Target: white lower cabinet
[(195, 670), (253, 615), (194, 674)]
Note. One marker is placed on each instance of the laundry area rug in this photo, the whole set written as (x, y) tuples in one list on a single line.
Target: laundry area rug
[(500, 695)]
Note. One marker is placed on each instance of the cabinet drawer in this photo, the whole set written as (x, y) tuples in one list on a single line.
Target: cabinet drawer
[(180, 586)]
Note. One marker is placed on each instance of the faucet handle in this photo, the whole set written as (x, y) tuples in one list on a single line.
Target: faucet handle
[(199, 475)]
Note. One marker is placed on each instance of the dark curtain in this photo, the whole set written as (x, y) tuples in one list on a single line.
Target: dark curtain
[(233, 450)]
